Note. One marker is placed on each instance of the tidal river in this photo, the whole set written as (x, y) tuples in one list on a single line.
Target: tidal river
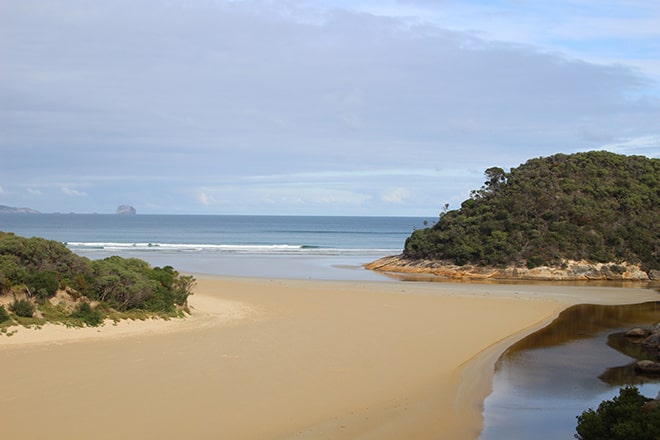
[(547, 379)]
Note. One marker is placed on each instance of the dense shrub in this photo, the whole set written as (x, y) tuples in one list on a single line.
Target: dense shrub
[(123, 283), (22, 308), (130, 283), (90, 316), (622, 418), (117, 283), (4, 316), (11, 270), (43, 284), (32, 255)]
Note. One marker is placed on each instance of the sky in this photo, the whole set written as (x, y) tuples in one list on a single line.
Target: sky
[(300, 107)]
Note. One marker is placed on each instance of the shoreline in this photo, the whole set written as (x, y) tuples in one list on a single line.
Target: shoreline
[(303, 359), (570, 271)]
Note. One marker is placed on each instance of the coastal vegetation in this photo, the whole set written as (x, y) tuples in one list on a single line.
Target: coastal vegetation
[(597, 207), (627, 416), (43, 281)]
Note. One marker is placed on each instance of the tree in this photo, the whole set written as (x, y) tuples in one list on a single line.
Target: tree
[(622, 418), (496, 176)]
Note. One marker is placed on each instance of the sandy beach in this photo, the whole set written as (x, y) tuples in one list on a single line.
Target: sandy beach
[(277, 359)]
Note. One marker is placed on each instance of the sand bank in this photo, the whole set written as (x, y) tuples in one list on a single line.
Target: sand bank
[(271, 359)]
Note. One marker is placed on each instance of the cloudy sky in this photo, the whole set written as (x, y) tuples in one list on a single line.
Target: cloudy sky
[(336, 107)]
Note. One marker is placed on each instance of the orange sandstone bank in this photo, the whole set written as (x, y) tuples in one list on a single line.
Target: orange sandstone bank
[(276, 359)]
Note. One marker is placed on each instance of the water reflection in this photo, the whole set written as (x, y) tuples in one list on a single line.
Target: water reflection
[(429, 277), (626, 374), (544, 381)]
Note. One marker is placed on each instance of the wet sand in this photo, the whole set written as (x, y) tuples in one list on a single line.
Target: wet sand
[(272, 359)]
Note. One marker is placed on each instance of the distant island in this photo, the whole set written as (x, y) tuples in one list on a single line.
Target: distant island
[(11, 210), (126, 210), (583, 216)]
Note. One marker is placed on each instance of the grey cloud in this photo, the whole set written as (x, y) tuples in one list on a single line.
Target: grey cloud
[(202, 89)]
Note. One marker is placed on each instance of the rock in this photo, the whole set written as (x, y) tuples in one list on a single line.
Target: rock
[(651, 342), (637, 333), (650, 405), (568, 271), (126, 209), (648, 367), (654, 275)]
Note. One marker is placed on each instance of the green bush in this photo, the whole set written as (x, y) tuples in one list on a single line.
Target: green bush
[(90, 316), (622, 418), (124, 284), (4, 316), (44, 284), (22, 308), (5, 284)]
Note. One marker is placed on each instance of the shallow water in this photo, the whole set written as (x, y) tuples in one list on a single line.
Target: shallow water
[(314, 267), (547, 379)]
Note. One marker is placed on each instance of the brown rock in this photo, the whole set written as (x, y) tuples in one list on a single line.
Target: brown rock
[(651, 342), (648, 406), (648, 367), (637, 333), (568, 271)]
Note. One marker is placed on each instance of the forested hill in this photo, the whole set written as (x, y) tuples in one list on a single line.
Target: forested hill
[(598, 207)]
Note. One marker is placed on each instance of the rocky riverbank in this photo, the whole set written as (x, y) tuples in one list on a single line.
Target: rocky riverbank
[(649, 341), (569, 271)]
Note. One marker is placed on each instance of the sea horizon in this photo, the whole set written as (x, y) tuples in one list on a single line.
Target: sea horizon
[(272, 246), (141, 214)]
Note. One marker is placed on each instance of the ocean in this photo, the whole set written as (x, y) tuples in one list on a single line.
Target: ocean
[(232, 245)]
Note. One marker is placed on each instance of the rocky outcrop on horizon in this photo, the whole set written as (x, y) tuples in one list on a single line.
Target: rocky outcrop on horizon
[(126, 210), (570, 270), (649, 340)]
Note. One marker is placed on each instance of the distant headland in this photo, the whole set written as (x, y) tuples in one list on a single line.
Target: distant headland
[(582, 216), (11, 210), (4, 209)]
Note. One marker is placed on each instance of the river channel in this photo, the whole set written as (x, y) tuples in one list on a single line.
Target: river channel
[(548, 378)]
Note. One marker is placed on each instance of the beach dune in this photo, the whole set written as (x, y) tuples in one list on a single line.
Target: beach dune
[(275, 359)]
